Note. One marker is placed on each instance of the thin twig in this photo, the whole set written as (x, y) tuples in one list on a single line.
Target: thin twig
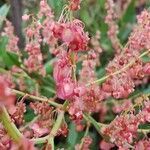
[(37, 98)]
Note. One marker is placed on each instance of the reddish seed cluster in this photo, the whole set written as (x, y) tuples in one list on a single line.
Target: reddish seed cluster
[(121, 85), (96, 51), (74, 4), (113, 27), (72, 34), (87, 73), (44, 122), (139, 39), (63, 130), (34, 62), (12, 39), (62, 77), (45, 10), (143, 145), (87, 141), (75, 113), (17, 112), (144, 115), (123, 129), (47, 24)]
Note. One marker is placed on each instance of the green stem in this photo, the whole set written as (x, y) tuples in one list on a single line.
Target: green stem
[(53, 132), (9, 126), (40, 140), (97, 126), (37, 98), (55, 128), (51, 142), (28, 124), (85, 134), (99, 80), (50, 138), (72, 55), (144, 131)]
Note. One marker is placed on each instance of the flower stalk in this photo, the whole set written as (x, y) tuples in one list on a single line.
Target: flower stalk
[(37, 98)]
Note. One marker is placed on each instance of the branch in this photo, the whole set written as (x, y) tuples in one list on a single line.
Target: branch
[(50, 138), (97, 125), (53, 133), (144, 131), (37, 98), (85, 134), (55, 128)]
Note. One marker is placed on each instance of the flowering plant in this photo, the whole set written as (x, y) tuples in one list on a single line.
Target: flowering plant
[(59, 87)]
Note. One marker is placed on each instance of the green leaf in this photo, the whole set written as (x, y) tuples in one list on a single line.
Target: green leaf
[(57, 5), (48, 67), (3, 13), (130, 13), (73, 135), (85, 17), (125, 22), (29, 115), (9, 58), (146, 59)]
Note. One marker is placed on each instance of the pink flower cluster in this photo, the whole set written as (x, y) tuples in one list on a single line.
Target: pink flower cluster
[(87, 141), (144, 115), (34, 62), (112, 25), (74, 4), (17, 113), (12, 38), (72, 34), (43, 124), (143, 145), (123, 129), (45, 10), (121, 85), (62, 76)]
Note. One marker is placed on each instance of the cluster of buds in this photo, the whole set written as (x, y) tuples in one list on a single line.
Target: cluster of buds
[(74, 4)]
